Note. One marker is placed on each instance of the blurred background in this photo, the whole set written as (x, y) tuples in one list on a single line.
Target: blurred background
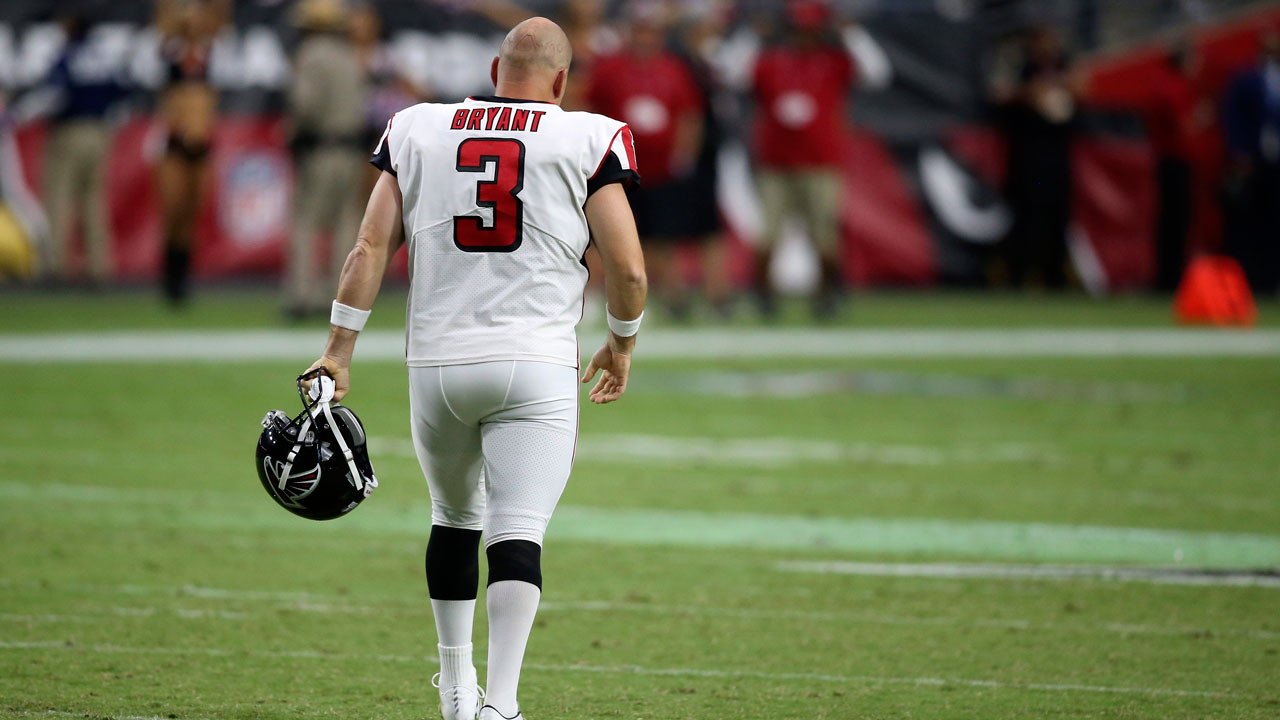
[(909, 433), (802, 148)]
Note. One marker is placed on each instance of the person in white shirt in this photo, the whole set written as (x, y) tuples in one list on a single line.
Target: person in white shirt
[(497, 198)]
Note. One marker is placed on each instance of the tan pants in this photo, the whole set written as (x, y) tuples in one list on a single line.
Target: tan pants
[(328, 198), (812, 195), (75, 189)]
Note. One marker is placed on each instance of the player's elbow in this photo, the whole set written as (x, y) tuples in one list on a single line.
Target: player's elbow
[(631, 278), (365, 251)]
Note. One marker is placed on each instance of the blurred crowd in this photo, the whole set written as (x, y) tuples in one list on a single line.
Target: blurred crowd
[(662, 68), (1038, 97)]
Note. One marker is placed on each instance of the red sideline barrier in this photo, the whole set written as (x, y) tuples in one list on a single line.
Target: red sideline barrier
[(244, 219)]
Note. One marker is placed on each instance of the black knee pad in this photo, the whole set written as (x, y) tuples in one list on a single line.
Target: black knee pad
[(515, 560), (453, 563)]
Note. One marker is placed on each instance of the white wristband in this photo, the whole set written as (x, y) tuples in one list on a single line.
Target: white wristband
[(345, 316), (623, 328)]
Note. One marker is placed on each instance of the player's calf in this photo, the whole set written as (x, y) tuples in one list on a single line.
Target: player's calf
[(453, 574), (515, 586)]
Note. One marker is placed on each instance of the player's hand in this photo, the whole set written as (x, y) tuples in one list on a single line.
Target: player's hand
[(339, 369), (614, 364)]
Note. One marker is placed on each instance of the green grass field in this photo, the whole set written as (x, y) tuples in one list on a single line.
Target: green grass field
[(755, 538)]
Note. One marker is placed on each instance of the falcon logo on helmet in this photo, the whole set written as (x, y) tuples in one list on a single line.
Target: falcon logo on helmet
[(315, 465), (297, 486)]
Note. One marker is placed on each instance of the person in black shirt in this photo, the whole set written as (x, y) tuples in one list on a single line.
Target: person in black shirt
[(1038, 115)]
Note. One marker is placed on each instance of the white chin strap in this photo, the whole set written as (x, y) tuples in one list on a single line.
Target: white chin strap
[(322, 391), (323, 407), (293, 453)]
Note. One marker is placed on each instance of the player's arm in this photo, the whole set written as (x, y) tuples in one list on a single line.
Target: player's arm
[(381, 234), (614, 229)]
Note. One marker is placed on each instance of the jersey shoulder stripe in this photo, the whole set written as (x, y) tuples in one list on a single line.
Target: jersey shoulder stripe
[(618, 164), (384, 153), (381, 157)]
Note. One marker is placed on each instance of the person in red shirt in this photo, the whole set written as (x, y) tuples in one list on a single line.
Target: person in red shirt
[(652, 90), (801, 91)]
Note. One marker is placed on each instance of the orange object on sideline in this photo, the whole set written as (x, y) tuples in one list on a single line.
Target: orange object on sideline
[(1214, 292)]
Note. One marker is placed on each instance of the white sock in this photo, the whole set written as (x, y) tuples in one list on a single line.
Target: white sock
[(453, 627), (455, 666), (453, 621), (512, 605)]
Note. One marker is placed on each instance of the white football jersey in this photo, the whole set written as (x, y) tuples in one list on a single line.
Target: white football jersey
[(494, 191)]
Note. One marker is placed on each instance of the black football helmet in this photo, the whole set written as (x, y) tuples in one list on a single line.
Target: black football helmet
[(315, 465)]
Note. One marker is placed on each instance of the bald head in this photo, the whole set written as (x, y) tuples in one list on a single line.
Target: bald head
[(533, 63), (535, 46)]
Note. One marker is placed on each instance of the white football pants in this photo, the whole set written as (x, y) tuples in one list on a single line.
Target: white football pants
[(496, 443)]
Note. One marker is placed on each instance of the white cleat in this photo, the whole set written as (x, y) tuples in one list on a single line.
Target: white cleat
[(489, 712), (459, 702)]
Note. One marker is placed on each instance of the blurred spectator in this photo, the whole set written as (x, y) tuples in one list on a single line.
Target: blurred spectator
[(24, 229), (701, 36), (390, 90), (189, 110), (802, 88), (651, 89), (85, 90), (327, 102), (1173, 118), (1251, 120), (589, 35), (1039, 113)]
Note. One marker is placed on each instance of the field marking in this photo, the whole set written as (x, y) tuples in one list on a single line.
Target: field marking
[(670, 343), (1269, 578), (770, 451), (755, 452), (107, 716), (904, 620), (816, 383), (51, 618), (632, 669), (642, 527), (323, 604)]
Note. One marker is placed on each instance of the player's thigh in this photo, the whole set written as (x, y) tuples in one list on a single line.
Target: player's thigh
[(528, 451), (337, 180), (448, 450), (772, 188), (820, 193)]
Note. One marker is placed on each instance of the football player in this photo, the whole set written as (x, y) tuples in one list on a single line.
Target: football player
[(497, 198)]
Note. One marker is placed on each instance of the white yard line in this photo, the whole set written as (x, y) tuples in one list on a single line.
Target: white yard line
[(904, 620), (394, 605), (300, 345), (631, 669), (984, 571), (95, 713), (770, 451), (816, 383)]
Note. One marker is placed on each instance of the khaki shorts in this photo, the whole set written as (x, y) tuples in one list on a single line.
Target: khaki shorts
[(811, 195)]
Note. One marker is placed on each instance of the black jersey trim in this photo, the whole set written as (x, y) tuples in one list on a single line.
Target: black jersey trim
[(382, 161), (611, 171), (381, 157)]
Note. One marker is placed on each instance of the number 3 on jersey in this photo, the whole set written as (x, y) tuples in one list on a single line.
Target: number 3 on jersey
[(501, 194)]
